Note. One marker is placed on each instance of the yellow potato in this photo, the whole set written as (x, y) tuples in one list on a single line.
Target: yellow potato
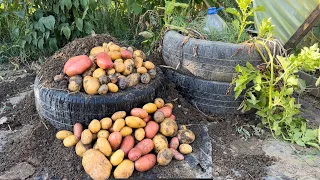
[(96, 165), (118, 125), (133, 79), (160, 142), (96, 50), (150, 108), (74, 87), (118, 61), (139, 53), (114, 47), (124, 170), (139, 134), (126, 131), (128, 68), (94, 126), (111, 71), (142, 70), (70, 141), (169, 127), (159, 102), (91, 85), (185, 148), (95, 146), (138, 62), (113, 87), (164, 156), (98, 73), (114, 55), (118, 115), (106, 123), (117, 157), (135, 122), (104, 45), (149, 65), (63, 134), (104, 146), (86, 136), (103, 134), (186, 136), (119, 67), (129, 61), (81, 148)]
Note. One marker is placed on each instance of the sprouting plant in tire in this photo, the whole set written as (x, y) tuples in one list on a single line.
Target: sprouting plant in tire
[(272, 94)]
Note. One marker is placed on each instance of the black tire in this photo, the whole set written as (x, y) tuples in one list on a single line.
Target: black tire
[(208, 96), (63, 109), (210, 60)]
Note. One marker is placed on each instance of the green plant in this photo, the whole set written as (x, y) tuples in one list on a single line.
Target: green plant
[(244, 14), (272, 94)]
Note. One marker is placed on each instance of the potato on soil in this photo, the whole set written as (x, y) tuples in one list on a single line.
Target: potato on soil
[(59, 78), (159, 142), (94, 126), (96, 165), (130, 49), (128, 68), (145, 146), (153, 73), (139, 134), (104, 61), (169, 127), (114, 47), (147, 119), (81, 148), (114, 55), (139, 112), (103, 90), (106, 123), (74, 87), (111, 71), (70, 141), (185, 148), (95, 146), (117, 157), (135, 122), (133, 79), (150, 107), (115, 139), (169, 105), (138, 62), (96, 50), (127, 144), (164, 157), (113, 78), (119, 67), (124, 170), (63, 134), (113, 87), (129, 62), (98, 73), (167, 111), (174, 143), (122, 83), (119, 115), (158, 116), (91, 85), (186, 136), (118, 125), (176, 155), (151, 129), (104, 146), (77, 130), (103, 134), (159, 102), (86, 136), (126, 54), (145, 78), (173, 117), (149, 65), (77, 65), (142, 70), (76, 78), (139, 53), (134, 154), (145, 162), (118, 61), (90, 71), (104, 79), (126, 131)]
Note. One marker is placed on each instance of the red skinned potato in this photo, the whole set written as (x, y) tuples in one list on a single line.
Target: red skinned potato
[(167, 111), (127, 144), (176, 155), (145, 163), (147, 119), (151, 129), (77, 130), (139, 112), (173, 117), (115, 139), (174, 143), (145, 145), (134, 154), (125, 54), (77, 65), (104, 61)]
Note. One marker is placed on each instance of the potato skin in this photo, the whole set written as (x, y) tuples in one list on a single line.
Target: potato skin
[(186, 136), (158, 116), (63, 134), (118, 125), (145, 146), (174, 143), (103, 134), (145, 78), (173, 117), (150, 107), (77, 129), (111, 71), (149, 65), (139, 134), (142, 70), (147, 119), (164, 157), (118, 115), (138, 62), (94, 126), (104, 146), (74, 87), (185, 148), (117, 157), (103, 90), (81, 148), (134, 154), (135, 122), (113, 87), (133, 79), (167, 111), (115, 139), (91, 85), (106, 123), (139, 112), (159, 102), (70, 141), (176, 155), (126, 131), (127, 144), (145, 163), (151, 129), (86, 136), (96, 165), (98, 73), (153, 73), (124, 170), (160, 142), (169, 127)]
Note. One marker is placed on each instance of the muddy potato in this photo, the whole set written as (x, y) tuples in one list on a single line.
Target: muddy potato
[(127, 144), (94, 126), (139, 53), (129, 61), (104, 146), (76, 78), (86, 136), (63, 134), (90, 71), (111, 71), (160, 142), (186, 136), (91, 85), (119, 67), (124, 170), (70, 141), (145, 78), (174, 143), (118, 125), (164, 157), (74, 87), (185, 148), (149, 65), (139, 112), (122, 83), (114, 55), (118, 115), (104, 79), (106, 123), (133, 79), (142, 70), (113, 78), (145, 146), (103, 90), (152, 73), (126, 131), (176, 155), (81, 148), (113, 87), (128, 68), (135, 122), (145, 162), (98, 73), (117, 157), (159, 102), (138, 62), (169, 127), (96, 165), (134, 154), (150, 108), (59, 78), (115, 139), (139, 134), (77, 130), (103, 134)]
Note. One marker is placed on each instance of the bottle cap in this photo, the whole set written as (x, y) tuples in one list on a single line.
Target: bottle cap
[(214, 10)]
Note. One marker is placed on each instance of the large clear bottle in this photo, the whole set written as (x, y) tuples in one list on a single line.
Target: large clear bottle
[(214, 24)]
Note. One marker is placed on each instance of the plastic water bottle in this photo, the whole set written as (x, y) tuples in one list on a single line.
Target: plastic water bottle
[(214, 22)]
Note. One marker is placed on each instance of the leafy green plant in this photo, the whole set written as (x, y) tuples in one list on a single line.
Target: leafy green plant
[(272, 94)]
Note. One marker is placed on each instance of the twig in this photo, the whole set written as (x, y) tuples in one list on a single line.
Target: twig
[(169, 67), (9, 127), (44, 125)]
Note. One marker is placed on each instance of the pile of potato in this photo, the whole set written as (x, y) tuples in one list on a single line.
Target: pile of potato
[(137, 141), (108, 69)]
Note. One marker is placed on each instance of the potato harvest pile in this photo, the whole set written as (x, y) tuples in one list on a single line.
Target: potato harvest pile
[(108, 69), (130, 142)]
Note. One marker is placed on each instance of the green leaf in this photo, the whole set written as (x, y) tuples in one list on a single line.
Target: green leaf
[(88, 27), (292, 81), (234, 12), (66, 31), (47, 34), (182, 5), (288, 91), (68, 4), (310, 135), (56, 8), (300, 142), (20, 14), (79, 24), (137, 9), (146, 34), (53, 44), (76, 3), (84, 3), (16, 32), (23, 43), (318, 82), (48, 22), (40, 43)]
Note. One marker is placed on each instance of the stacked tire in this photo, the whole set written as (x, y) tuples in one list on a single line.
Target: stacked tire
[(203, 70)]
